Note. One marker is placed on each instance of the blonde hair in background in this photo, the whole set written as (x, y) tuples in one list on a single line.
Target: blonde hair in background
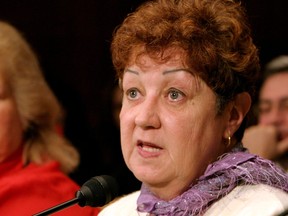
[(37, 105)]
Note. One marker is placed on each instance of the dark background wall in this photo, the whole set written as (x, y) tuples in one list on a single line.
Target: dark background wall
[(72, 39)]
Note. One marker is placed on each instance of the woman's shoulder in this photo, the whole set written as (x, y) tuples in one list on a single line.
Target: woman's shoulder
[(251, 200), (122, 206)]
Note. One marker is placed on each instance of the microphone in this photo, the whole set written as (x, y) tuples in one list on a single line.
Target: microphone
[(97, 191)]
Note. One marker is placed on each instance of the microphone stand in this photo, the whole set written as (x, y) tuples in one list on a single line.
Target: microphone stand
[(58, 207), (97, 191)]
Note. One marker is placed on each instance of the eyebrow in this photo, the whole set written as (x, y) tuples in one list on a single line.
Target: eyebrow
[(164, 72), (177, 70), (282, 100), (131, 71)]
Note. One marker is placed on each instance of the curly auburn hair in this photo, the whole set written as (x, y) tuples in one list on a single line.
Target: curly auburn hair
[(214, 34)]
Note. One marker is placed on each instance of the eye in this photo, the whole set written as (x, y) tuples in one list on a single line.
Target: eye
[(284, 105), (132, 93), (264, 108), (175, 95)]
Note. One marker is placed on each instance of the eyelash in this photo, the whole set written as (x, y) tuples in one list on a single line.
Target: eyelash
[(179, 94), (133, 94), (130, 91)]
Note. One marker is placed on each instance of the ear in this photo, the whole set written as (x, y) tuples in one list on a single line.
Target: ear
[(237, 111)]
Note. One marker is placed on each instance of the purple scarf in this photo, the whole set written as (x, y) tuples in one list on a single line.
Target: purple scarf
[(221, 177)]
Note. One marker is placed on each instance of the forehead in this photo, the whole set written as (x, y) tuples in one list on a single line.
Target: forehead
[(275, 87), (170, 55)]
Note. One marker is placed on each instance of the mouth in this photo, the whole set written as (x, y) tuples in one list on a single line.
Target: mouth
[(282, 134), (148, 149)]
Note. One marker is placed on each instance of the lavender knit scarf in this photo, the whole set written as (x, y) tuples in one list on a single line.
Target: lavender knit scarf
[(221, 177)]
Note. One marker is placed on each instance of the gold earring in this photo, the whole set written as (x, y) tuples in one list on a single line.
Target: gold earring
[(229, 139)]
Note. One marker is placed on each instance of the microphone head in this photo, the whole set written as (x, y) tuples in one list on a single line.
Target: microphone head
[(97, 191)]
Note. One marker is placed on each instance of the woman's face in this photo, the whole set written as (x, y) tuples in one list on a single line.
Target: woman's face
[(169, 128), (10, 121)]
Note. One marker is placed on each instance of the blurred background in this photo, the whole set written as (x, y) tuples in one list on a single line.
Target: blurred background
[(72, 38)]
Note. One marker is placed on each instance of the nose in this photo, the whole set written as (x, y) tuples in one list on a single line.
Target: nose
[(148, 115)]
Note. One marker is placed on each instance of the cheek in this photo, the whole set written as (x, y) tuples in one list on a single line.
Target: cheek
[(126, 122), (286, 118), (9, 117), (199, 136), (126, 145), (185, 128), (15, 124), (183, 139), (263, 119), (126, 130), (10, 130)]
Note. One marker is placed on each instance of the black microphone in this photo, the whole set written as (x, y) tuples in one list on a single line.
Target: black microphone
[(97, 191)]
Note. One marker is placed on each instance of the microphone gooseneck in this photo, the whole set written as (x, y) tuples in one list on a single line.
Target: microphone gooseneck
[(97, 191)]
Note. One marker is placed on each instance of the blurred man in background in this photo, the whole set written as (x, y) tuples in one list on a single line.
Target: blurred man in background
[(269, 138)]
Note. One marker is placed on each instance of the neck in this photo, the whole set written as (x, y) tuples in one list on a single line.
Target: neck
[(174, 189)]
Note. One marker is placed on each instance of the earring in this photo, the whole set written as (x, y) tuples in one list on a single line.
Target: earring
[(229, 139)]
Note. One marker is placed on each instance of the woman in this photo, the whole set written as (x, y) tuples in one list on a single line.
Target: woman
[(35, 159), (187, 69)]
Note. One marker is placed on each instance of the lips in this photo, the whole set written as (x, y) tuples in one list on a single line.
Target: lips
[(148, 149), (282, 133)]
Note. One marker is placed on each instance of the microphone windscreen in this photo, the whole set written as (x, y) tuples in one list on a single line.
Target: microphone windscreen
[(97, 191)]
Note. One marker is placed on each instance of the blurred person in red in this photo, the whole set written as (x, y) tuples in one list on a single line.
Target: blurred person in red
[(269, 138), (35, 159)]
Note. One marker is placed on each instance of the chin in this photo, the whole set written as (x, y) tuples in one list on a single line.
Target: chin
[(149, 178)]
